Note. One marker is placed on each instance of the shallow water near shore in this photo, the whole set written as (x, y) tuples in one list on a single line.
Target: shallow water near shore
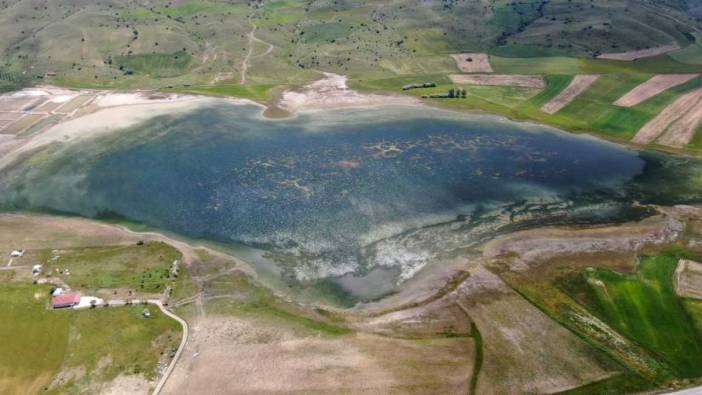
[(353, 201)]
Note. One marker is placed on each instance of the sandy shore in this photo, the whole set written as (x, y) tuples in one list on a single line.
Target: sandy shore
[(106, 113)]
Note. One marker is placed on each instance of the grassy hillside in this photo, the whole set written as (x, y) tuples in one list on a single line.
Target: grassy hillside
[(160, 43)]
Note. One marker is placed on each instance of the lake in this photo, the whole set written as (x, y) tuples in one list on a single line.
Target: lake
[(347, 198)]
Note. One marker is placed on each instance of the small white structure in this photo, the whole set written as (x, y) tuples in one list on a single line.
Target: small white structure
[(17, 253), (36, 269), (58, 291), (87, 302), (146, 313)]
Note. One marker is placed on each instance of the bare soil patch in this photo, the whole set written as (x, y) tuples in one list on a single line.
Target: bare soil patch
[(332, 92), (263, 357), (524, 350), (522, 80), (652, 87), (642, 53), (577, 86), (10, 116), (75, 103), (539, 245), (436, 318), (688, 279), (15, 102), (23, 123), (473, 62), (677, 123)]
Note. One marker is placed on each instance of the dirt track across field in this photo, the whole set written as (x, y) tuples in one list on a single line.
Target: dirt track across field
[(642, 53), (577, 86), (522, 80), (473, 62), (676, 123), (652, 87)]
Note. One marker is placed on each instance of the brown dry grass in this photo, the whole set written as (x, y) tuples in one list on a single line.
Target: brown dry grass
[(538, 245), (677, 122), (18, 103), (10, 116), (527, 81), (652, 87), (473, 62), (524, 350), (578, 85), (642, 53), (23, 123), (230, 354), (688, 279)]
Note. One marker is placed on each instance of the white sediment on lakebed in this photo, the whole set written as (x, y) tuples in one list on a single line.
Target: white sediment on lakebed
[(113, 112)]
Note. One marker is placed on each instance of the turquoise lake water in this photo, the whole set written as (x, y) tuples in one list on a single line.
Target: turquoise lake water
[(348, 197)]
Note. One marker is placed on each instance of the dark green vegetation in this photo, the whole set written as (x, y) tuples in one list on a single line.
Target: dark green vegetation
[(102, 343), (475, 334)]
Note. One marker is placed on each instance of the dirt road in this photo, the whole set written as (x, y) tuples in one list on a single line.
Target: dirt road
[(249, 55), (183, 342)]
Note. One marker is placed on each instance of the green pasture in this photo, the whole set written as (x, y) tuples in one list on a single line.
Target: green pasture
[(156, 65), (41, 342), (260, 93), (144, 268), (644, 307)]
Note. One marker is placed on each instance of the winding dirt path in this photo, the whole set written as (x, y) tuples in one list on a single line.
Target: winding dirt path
[(249, 55), (183, 342)]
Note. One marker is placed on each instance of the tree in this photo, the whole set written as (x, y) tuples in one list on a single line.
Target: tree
[(452, 93), (463, 93)]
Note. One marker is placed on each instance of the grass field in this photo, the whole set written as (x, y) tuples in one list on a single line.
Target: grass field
[(260, 93), (645, 308), (592, 111), (40, 343), (155, 65), (192, 41), (142, 268)]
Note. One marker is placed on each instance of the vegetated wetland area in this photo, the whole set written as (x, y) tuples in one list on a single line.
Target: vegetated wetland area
[(362, 197)]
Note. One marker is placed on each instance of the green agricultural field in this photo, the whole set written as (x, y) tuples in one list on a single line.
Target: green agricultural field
[(259, 93), (592, 111), (644, 307), (40, 343)]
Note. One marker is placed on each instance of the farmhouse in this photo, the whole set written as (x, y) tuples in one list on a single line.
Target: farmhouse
[(65, 300)]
